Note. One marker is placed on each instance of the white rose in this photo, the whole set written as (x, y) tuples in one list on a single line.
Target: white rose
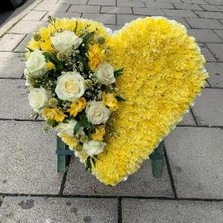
[(38, 98), (36, 64), (97, 113), (105, 74), (68, 128), (70, 86), (93, 147), (65, 41)]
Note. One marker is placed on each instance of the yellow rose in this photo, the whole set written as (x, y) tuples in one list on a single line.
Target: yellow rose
[(110, 100), (53, 114), (77, 106), (99, 133)]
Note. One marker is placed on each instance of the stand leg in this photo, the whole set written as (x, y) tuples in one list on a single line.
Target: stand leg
[(62, 157), (157, 158)]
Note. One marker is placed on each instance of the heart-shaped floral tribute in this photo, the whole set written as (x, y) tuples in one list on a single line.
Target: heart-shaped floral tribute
[(113, 97)]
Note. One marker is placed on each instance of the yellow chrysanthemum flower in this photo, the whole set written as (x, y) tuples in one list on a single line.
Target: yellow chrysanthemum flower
[(77, 106)]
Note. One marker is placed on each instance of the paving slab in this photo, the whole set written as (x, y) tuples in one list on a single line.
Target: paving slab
[(211, 15), (11, 65), (27, 159), (14, 100), (215, 2), (103, 18), (204, 35), (187, 6), (219, 33), (118, 10), (84, 9), (58, 210), (208, 108), (159, 5), (52, 7), (204, 23), (22, 45), (180, 20), (206, 52), (9, 41), (34, 15), (61, 15), (179, 13), (148, 11), (217, 50), (102, 2), (27, 26), (142, 183), (188, 119), (76, 2), (160, 211), (123, 19), (171, 1), (194, 1), (195, 156), (130, 3), (215, 74), (212, 8)]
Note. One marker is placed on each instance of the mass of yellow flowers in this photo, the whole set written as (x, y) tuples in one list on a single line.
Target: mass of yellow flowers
[(163, 73)]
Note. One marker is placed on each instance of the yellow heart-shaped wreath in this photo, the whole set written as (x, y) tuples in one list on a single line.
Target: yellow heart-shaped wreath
[(163, 73)]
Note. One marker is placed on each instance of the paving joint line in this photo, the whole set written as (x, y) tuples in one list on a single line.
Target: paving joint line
[(111, 197), (194, 117), (68, 7), (63, 182), (39, 120), (12, 78), (210, 51), (120, 209), (170, 173)]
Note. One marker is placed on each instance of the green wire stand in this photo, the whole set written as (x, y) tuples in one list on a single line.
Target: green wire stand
[(64, 154), (157, 160)]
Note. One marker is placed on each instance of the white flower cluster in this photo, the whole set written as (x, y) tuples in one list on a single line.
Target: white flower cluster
[(68, 87)]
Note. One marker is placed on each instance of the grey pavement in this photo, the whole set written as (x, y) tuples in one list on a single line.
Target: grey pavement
[(190, 189)]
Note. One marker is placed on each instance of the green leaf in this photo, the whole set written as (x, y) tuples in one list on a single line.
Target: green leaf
[(75, 29), (120, 98), (119, 72), (87, 38), (88, 164), (76, 128), (84, 121), (53, 123), (29, 49), (93, 161)]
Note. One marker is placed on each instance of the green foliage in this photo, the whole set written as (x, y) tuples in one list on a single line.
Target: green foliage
[(119, 72), (89, 163), (76, 128), (120, 98)]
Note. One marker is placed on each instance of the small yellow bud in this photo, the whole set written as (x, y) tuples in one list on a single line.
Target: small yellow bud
[(53, 102), (61, 56), (88, 83), (37, 37)]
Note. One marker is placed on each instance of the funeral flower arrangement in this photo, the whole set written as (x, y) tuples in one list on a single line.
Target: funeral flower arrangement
[(113, 122)]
